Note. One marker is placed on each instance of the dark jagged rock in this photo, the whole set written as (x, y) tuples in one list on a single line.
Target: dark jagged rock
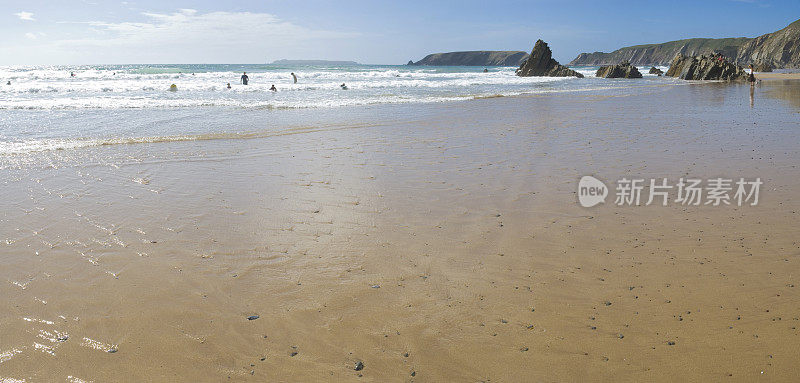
[(706, 68), (541, 63), (654, 70), (473, 58), (621, 70), (762, 67)]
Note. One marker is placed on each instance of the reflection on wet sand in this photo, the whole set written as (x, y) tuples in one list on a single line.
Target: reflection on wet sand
[(447, 245)]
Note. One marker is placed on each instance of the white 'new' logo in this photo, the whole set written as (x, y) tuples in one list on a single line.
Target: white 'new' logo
[(591, 191)]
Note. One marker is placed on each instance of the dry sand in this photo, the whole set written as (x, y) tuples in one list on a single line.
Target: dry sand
[(447, 245), (778, 76)]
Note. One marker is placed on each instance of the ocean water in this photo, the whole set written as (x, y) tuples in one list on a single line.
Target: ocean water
[(45, 108)]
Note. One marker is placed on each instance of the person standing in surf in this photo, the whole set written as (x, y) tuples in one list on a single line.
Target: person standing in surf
[(294, 76), (245, 79)]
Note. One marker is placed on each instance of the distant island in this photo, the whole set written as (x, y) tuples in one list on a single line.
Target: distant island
[(314, 62), (780, 49), (474, 58)]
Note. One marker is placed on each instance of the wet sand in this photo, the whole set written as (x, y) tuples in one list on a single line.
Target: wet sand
[(443, 243)]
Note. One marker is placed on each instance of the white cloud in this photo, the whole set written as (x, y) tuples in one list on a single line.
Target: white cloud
[(27, 16), (188, 27), (34, 36), (187, 36)]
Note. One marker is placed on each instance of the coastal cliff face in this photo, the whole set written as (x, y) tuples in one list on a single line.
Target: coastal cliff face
[(779, 50), (661, 54), (474, 58), (541, 63)]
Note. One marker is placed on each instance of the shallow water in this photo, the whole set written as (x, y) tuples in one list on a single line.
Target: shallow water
[(362, 233)]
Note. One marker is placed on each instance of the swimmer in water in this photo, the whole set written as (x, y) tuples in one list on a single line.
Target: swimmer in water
[(343, 86), (245, 79), (71, 74), (229, 85), (294, 76), (8, 83), (274, 89)]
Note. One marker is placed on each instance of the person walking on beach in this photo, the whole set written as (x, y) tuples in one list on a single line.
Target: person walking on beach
[(245, 79), (294, 76)]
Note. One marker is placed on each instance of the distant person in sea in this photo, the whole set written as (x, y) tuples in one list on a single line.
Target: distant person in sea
[(173, 88), (8, 83), (229, 85), (245, 79), (71, 74), (273, 88), (485, 70), (294, 76), (343, 86)]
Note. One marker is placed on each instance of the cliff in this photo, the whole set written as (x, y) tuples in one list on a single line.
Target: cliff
[(780, 49), (473, 58), (661, 54)]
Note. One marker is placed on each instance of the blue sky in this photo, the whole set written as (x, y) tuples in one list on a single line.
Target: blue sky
[(378, 32)]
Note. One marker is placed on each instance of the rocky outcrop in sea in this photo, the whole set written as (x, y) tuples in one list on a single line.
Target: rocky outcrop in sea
[(706, 68), (541, 63), (656, 71), (621, 70)]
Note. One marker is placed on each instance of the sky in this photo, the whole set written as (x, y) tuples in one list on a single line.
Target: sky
[(369, 31)]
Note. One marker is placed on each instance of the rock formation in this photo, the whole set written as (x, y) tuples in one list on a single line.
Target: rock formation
[(621, 70), (705, 68), (473, 58), (780, 49), (541, 63), (654, 70), (762, 67), (661, 54)]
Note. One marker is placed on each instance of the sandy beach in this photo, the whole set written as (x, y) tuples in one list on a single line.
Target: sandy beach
[(779, 76), (429, 242)]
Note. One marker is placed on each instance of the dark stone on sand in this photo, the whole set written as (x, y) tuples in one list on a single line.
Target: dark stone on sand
[(413, 373), (706, 68), (252, 317), (654, 70), (524, 349), (112, 350), (620, 336), (671, 343), (359, 366), (62, 338), (541, 63), (607, 303), (293, 353), (621, 70)]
